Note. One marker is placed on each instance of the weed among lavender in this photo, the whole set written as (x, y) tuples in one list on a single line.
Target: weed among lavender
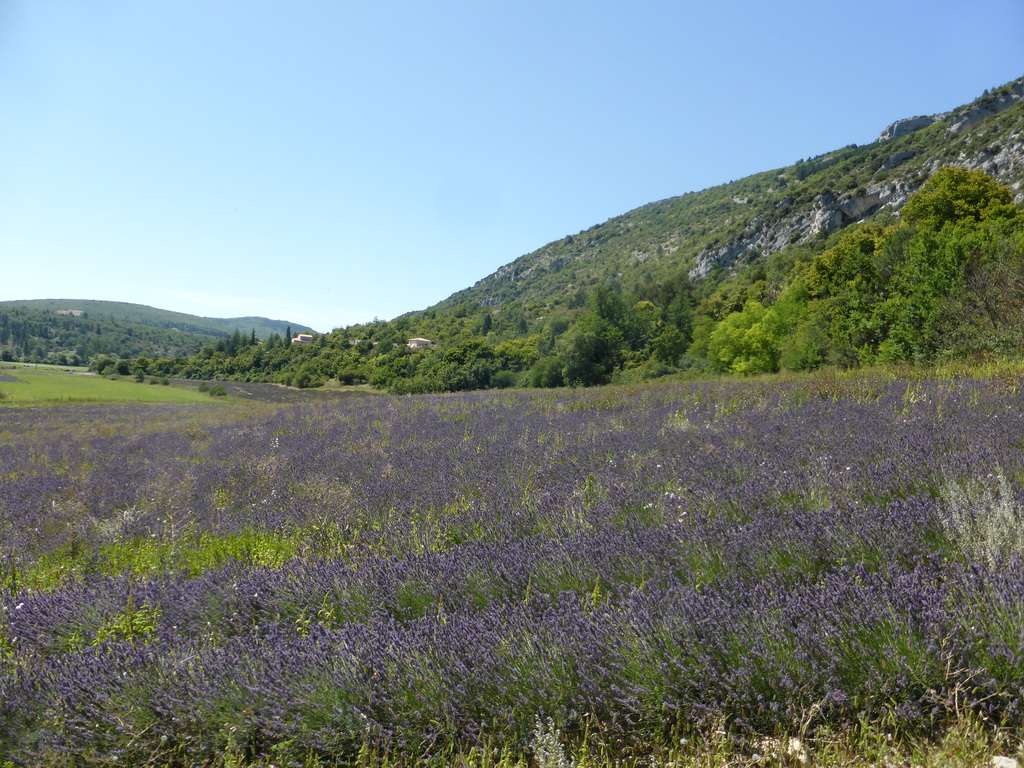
[(546, 745), (985, 518)]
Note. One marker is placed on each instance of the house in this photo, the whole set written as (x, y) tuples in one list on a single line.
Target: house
[(303, 338), (420, 343)]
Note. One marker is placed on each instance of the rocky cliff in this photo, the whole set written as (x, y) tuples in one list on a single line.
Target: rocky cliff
[(966, 137)]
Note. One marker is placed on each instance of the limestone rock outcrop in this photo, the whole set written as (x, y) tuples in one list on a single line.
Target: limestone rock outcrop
[(1003, 159), (907, 125), (989, 105), (827, 214)]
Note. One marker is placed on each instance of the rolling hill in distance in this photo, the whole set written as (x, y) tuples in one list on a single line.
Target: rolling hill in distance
[(79, 329)]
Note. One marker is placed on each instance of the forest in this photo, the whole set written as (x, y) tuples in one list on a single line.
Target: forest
[(81, 331)]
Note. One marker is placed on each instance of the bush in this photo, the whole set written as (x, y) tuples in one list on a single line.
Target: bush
[(983, 521), (504, 379), (547, 372)]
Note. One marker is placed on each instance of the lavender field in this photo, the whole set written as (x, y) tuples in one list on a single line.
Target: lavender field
[(606, 570)]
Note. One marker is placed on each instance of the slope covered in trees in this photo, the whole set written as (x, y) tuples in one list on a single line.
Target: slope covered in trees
[(793, 268), (940, 281), (729, 226), (74, 331)]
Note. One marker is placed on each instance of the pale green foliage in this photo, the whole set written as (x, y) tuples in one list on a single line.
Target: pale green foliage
[(955, 194), (546, 745), (984, 521), (747, 342)]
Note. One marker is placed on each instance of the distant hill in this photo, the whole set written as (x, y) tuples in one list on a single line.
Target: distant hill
[(76, 330)]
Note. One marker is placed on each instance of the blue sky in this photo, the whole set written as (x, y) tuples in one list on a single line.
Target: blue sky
[(328, 162)]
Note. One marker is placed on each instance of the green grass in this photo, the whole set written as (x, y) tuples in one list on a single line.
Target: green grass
[(44, 386), (965, 744)]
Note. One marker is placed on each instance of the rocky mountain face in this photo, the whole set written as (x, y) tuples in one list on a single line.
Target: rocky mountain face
[(1001, 158), (749, 219)]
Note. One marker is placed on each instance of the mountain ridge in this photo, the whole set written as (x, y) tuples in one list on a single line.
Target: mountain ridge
[(755, 275), (759, 215)]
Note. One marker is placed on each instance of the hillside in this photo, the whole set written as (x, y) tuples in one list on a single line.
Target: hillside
[(746, 220), (906, 250), (77, 330)]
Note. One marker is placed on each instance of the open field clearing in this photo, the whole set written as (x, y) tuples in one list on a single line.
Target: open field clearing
[(677, 572), (45, 386)]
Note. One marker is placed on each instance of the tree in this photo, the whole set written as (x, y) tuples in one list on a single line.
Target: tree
[(518, 354), (669, 346), (608, 305), (954, 195), (643, 324), (747, 342), (467, 366), (590, 350), (679, 312), (308, 376), (849, 265), (547, 372), (988, 317)]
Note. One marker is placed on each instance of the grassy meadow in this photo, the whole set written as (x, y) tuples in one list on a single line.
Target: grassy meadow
[(47, 385), (777, 571)]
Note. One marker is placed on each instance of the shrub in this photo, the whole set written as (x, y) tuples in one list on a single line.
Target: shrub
[(504, 379), (546, 745), (984, 521)]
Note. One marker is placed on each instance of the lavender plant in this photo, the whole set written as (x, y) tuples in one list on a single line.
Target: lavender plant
[(421, 576)]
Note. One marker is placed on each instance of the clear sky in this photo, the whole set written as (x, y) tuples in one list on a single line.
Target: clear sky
[(326, 162)]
